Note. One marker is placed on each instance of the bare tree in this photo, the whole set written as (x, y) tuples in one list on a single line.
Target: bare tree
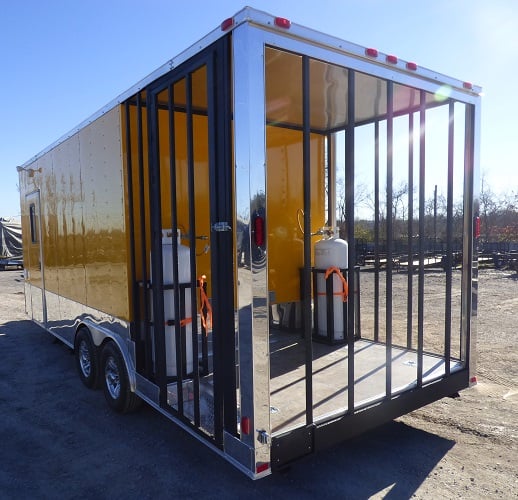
[(488, 210)]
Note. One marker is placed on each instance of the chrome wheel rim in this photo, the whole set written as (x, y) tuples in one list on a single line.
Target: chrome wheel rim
[(111, 374), (84, 359)]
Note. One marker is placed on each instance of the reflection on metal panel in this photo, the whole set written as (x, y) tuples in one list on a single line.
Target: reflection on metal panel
[(105, 249), (82, 225), (65, 316), (249, 117), (35, 266)]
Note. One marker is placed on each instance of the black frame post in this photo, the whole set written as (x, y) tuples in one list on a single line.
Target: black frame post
[(349, 217), (306, 175)]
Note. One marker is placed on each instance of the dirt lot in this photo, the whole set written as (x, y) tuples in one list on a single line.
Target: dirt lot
[(60, 440)]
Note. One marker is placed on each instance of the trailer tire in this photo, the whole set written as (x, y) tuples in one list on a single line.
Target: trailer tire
[(87, 358), (115, 381)]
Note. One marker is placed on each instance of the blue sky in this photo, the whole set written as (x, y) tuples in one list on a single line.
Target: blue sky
[(62, 60)]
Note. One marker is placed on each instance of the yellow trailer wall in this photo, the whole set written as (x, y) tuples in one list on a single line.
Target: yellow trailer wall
[(83, 222)]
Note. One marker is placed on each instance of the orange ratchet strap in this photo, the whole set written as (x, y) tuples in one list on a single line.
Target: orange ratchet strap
[(204, 302), (183, 322), (345, 290)]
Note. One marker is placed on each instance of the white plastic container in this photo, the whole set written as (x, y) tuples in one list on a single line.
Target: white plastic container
[(184, 276), (330, 252)]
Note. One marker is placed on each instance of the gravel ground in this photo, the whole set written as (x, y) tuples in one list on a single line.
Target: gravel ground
[(60, 440)]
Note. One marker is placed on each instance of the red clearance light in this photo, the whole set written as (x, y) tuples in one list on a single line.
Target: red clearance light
[(262, 466), (282, 22), (392, 59), (473, 380), (371, 52), (245, 425), (258, 228), (468, 85), (227, 23), (476, 228), (411, 65)]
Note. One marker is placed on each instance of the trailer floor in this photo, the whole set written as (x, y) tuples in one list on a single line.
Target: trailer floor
[(330, 365)]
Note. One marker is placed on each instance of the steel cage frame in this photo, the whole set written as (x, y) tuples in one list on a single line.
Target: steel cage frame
[(249, 44)]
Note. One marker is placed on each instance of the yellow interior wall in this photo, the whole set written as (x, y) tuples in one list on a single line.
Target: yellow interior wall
[(201, 185), (284, 202)]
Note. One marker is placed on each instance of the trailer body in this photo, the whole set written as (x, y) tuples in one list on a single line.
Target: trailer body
[(170, 240)]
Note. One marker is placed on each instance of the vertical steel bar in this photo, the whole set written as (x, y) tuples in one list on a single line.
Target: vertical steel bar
[(306, 175), (331, 179), (420, 292), (143, 239), (211, 88), (316, 310), (156, 245), (376, 230), (330, 311), (131, 224), (469, 249), (390, 239), (449, 237), (223, 258), (349, 217), (410, 230), (178, 311), (192, 239), (357, 298), (204, 334)]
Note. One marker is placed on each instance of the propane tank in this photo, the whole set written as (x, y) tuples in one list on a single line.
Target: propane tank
[(331, 251), (184, 276)]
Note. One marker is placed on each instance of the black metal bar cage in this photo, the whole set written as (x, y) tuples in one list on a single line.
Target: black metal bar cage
[(412, 240), (165, 116)]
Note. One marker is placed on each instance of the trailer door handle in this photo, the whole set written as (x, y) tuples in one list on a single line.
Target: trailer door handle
[(221, 226)]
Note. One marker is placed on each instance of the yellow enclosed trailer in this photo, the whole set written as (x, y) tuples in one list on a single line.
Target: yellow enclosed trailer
[(202, 244)]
